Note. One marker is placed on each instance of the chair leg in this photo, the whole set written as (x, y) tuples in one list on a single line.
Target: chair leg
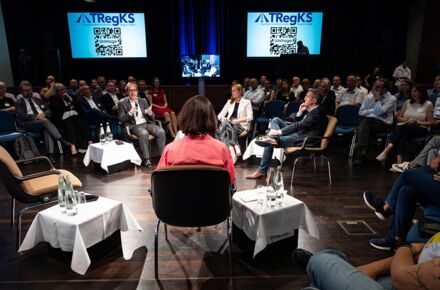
[(329, 170), (165, 228), (229, 232), (353, 141), (293, 170), (156, 256), (13, 212), (314, 164)]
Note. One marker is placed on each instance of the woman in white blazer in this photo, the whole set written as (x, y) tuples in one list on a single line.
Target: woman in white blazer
[(235, 118)]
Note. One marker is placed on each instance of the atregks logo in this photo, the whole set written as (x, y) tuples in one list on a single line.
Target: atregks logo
[(102, 18), (83, 19), (287, 18)]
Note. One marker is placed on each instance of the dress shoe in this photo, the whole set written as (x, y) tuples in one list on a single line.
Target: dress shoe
[(302, 257), (257, 175), (147, 163), (266, 142)]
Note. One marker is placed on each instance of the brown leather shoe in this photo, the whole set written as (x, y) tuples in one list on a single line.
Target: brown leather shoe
[(257, 175)]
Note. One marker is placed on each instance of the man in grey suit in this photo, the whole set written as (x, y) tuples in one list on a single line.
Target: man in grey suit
[(33, 114), (139, 116)]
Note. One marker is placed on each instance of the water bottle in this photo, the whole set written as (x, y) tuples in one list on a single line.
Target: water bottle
[(71, 201), (108, 134), (101, 135), (62, 194)]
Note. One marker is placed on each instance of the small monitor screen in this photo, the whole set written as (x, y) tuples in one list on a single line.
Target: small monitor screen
[(196, 66), (107, 35), (271, 34)]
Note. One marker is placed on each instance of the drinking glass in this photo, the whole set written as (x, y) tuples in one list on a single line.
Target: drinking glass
[(261, 191), (270, 196), (81, 197)]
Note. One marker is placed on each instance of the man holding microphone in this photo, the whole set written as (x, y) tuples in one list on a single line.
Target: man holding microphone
[(139, 116)]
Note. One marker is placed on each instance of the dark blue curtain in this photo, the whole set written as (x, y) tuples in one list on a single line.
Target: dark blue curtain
[(201, 26)]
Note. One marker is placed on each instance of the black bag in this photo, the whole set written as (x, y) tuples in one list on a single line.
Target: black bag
[(428, 227), (25, 148)]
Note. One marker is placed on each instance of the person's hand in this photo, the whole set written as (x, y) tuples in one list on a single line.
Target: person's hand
[(418, 247), (412, 121), (437, 177), (115, 107), (273, 133), (302, 108), (235, 122), (435, 163), (41, 116), (149, 110), (133, 111), (67, 97)]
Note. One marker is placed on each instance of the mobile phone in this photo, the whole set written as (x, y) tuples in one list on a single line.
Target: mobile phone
[(119, 142), (91, 197)]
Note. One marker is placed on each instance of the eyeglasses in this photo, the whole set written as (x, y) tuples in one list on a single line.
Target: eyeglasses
[(132, 90)]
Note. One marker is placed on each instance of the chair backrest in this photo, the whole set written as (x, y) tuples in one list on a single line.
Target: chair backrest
[(9, 162), (292, 107), (191, 195), (348, 115), (274, 108), (7, 122), (331, 125)]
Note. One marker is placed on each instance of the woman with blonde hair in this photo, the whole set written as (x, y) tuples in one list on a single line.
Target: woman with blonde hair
[(235, 117)]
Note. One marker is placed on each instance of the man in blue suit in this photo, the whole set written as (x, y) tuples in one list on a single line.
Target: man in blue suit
[(91, 108), (309, 121)]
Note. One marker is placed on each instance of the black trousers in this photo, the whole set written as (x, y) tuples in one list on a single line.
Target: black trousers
[(76, 131), (368, 127), (405, 132)]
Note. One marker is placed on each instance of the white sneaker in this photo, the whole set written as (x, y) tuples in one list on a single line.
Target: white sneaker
[(400, 167), (381, 157)]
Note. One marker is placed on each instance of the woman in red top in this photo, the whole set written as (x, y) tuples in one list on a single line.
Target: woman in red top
[(198, 122), (158, 99)]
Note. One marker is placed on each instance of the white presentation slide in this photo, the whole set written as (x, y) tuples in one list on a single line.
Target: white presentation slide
[(271, 34), (107, 35)]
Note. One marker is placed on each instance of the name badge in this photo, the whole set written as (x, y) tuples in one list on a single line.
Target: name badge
[(43, 106), (7, 105)]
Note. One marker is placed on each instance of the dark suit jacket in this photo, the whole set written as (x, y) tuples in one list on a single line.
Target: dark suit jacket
[(58, 107), (125, 106), (313, 123), (23, 116), (328, 105), (91, 114), (108, 103)]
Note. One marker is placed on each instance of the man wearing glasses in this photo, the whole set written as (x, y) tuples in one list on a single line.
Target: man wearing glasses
[(138, 114)]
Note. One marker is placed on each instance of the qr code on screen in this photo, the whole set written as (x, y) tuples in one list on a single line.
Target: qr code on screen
[(282, 40), (108, 41)]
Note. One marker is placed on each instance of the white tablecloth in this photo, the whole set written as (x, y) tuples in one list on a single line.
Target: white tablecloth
[(94, 222), (254, 149), (265, 224), (110, 154)]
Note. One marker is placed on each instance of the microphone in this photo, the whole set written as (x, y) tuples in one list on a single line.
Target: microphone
[(136, 105)]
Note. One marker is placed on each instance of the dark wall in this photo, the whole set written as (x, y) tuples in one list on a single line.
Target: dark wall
[(353, 40)]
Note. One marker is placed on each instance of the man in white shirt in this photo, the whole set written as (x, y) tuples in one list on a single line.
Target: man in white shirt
[(296, 86), (401, 72), (138, 114), (337, 88), (255, 95), (352, 95)]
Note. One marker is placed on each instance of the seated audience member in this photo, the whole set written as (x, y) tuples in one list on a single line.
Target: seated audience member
[(5, 91), (375, 116), (414, 118), (158, 98), (402, 72), (48, 91), (64, 116), (316, 84), (434, 97), (296, 88), (246, 84), (255, 95), (285, 94), (277, 88), (198, 122), (121, 89), (309, 121), (263, 80), (111, 99), (305, 83), (102, 83), (73, 89), (337, 88), (269, 92), (363, 90), (139, 116), (351, 95), (420, 185), (143, 87), (425, 157), (94, 88), (404, 94), (6, 103), (235, 117), (413, 266), (328, 104), (372, 77), (91, 109), (33, 114)]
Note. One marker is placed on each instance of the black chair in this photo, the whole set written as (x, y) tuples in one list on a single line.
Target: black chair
[(33, 189), (8, 130), (274, 109), (191, 196)]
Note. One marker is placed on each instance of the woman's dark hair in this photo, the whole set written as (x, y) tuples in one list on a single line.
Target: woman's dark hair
[(422, 92), (197, 117)]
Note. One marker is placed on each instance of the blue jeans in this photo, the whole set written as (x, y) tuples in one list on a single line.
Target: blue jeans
[(412, 186), (283, 141), (329, 270)]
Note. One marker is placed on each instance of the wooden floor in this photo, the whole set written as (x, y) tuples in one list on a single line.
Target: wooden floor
[(189, 260)]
